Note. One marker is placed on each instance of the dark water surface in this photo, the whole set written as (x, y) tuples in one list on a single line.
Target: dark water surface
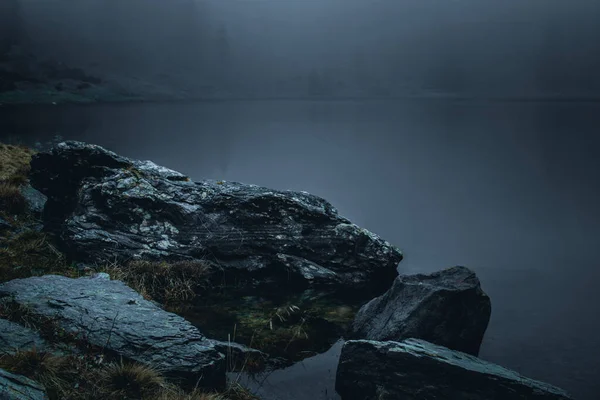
[(510, 190)]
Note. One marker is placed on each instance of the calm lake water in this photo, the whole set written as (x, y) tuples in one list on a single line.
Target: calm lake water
[(510, 190)]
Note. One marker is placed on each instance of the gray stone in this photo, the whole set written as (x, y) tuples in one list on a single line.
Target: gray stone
[(415, 370), (17, 387), (447, 308), (110, 315), (35, 200), (105, 207), (14, 337)]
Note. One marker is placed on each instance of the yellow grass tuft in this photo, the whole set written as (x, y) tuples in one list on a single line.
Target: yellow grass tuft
[(131, 380), (14, 168), (32, 253), (32, 363), (14, 163), (167, 283)]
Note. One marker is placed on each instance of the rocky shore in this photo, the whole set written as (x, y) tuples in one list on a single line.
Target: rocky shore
[(124, 279)]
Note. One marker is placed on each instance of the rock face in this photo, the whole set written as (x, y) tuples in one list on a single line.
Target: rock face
[(447, 308), (14, 337), (17, 387), (415, 369), (108, 207), (110, 315)]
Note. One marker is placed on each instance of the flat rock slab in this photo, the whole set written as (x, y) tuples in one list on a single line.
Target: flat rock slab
[(110, 315), (14, 337), (447, 308), (105, 207), (17, 387), (415, 370)]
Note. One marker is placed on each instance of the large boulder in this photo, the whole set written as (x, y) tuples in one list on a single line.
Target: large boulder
[(415, 369), (447, 308), (109, 315), (17, 387), (108, 207)]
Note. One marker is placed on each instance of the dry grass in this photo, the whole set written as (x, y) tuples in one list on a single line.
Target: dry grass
[(87, 377), (235, 391), (32, 253), (60, 375), (196, 395), (130, 380), (11, 199), (14, 168), (167, 283), (14, 163), (33, 363)]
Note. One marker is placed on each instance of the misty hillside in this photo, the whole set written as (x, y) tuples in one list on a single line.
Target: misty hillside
[(87, 50)]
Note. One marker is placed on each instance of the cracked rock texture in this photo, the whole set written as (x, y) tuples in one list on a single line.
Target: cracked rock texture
[(415, 370), (17, 387), (14, 337), (106, 207), (447, 308), (110, 315)]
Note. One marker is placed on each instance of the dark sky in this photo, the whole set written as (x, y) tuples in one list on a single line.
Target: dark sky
[(511, 47)]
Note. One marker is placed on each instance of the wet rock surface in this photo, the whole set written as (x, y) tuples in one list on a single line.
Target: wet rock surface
[(17, 387), (111, 316), (447, 308), (107, 207), (415, 369)]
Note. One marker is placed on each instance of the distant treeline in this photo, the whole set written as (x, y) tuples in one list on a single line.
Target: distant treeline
[(382, 48)]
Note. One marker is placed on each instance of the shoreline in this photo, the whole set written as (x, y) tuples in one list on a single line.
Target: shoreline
[(80, 100)]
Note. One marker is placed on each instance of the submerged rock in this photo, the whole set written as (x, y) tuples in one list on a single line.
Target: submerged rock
[(447, 308), (109, 315), (415, 369), (108, 207), (18, 387)]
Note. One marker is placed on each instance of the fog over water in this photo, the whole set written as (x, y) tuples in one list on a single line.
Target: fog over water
[(322, 47), (466, 132)]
